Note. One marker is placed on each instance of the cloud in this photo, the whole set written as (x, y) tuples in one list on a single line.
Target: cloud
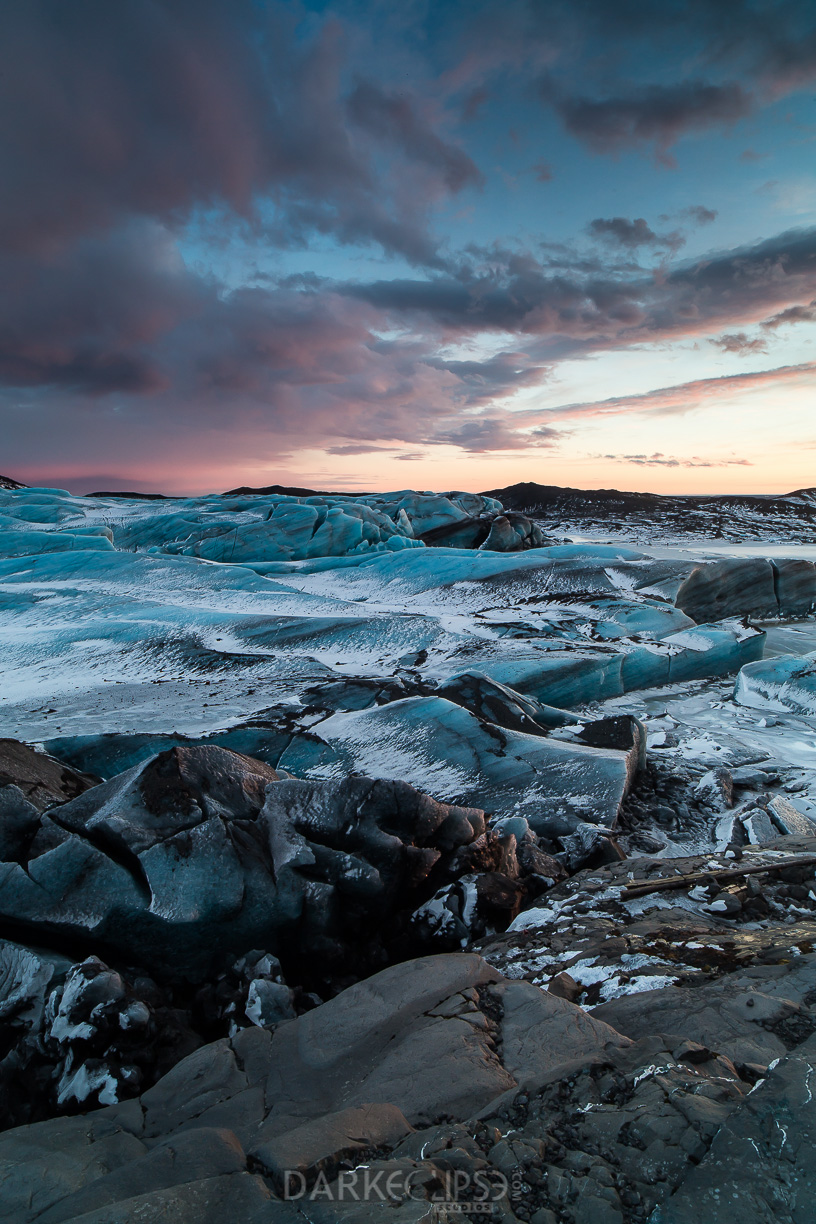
[(140, 135), (91, 318), (165, 110), (473, 104), (653, 115), (491, 378), (573, 311), (481, 435), (698, 214), (356, 448), (739, 343), (793, 314), (683, 397), (394, 119), (121, 321), (632, 234), (660, 460)]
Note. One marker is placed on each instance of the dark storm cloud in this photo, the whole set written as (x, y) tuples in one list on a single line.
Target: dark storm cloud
[(606, 311), (630, 58), (122, 122), (163, 107), (768, 44), (91, 316), (655, 115)]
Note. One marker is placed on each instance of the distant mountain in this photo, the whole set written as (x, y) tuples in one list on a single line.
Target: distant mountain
[(7, 483), (727, 516), (245, 490), (132, 496)]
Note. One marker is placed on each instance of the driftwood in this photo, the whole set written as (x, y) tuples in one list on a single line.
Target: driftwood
[(638, 888)]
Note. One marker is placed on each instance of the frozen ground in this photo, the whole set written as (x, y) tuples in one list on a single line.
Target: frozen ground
[(704, 549)]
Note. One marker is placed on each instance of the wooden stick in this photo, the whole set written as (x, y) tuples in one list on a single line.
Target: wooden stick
[(637, 888)]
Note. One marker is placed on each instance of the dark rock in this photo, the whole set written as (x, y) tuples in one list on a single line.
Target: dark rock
[(753, 777), (623, 731), (319, 1145), (211, 1200), (201, 852), (715, 789), (42, 779), (726, 1016), (760, 1165), (196, 1155), (442, 1037), (496, 703), (789, 819), (41, 1165), (19, 823), (565, 987)]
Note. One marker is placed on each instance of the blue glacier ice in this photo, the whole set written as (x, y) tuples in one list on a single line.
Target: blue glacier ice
[(554, 785), (265, 527), (22, 543), (786, 683)]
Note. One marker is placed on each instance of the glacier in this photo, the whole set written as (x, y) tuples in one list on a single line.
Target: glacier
[(331, 634)]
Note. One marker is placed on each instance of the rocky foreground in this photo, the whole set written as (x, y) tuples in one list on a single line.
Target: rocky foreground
[(634, 1042)]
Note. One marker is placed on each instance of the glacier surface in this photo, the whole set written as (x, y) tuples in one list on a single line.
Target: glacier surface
[(326, 635)]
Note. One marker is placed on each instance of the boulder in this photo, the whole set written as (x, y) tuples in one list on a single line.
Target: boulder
[(730, 1017), (196, 1155), (788, 819), (210, 1200), (42, 780), (715, 789), (45, 1163), (319, 1145), (201, 852)]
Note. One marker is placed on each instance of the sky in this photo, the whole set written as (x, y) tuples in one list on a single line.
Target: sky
[(433, 245)]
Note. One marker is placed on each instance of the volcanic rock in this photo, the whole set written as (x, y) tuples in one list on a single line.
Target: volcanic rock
[(201, 851), (42, 780)]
